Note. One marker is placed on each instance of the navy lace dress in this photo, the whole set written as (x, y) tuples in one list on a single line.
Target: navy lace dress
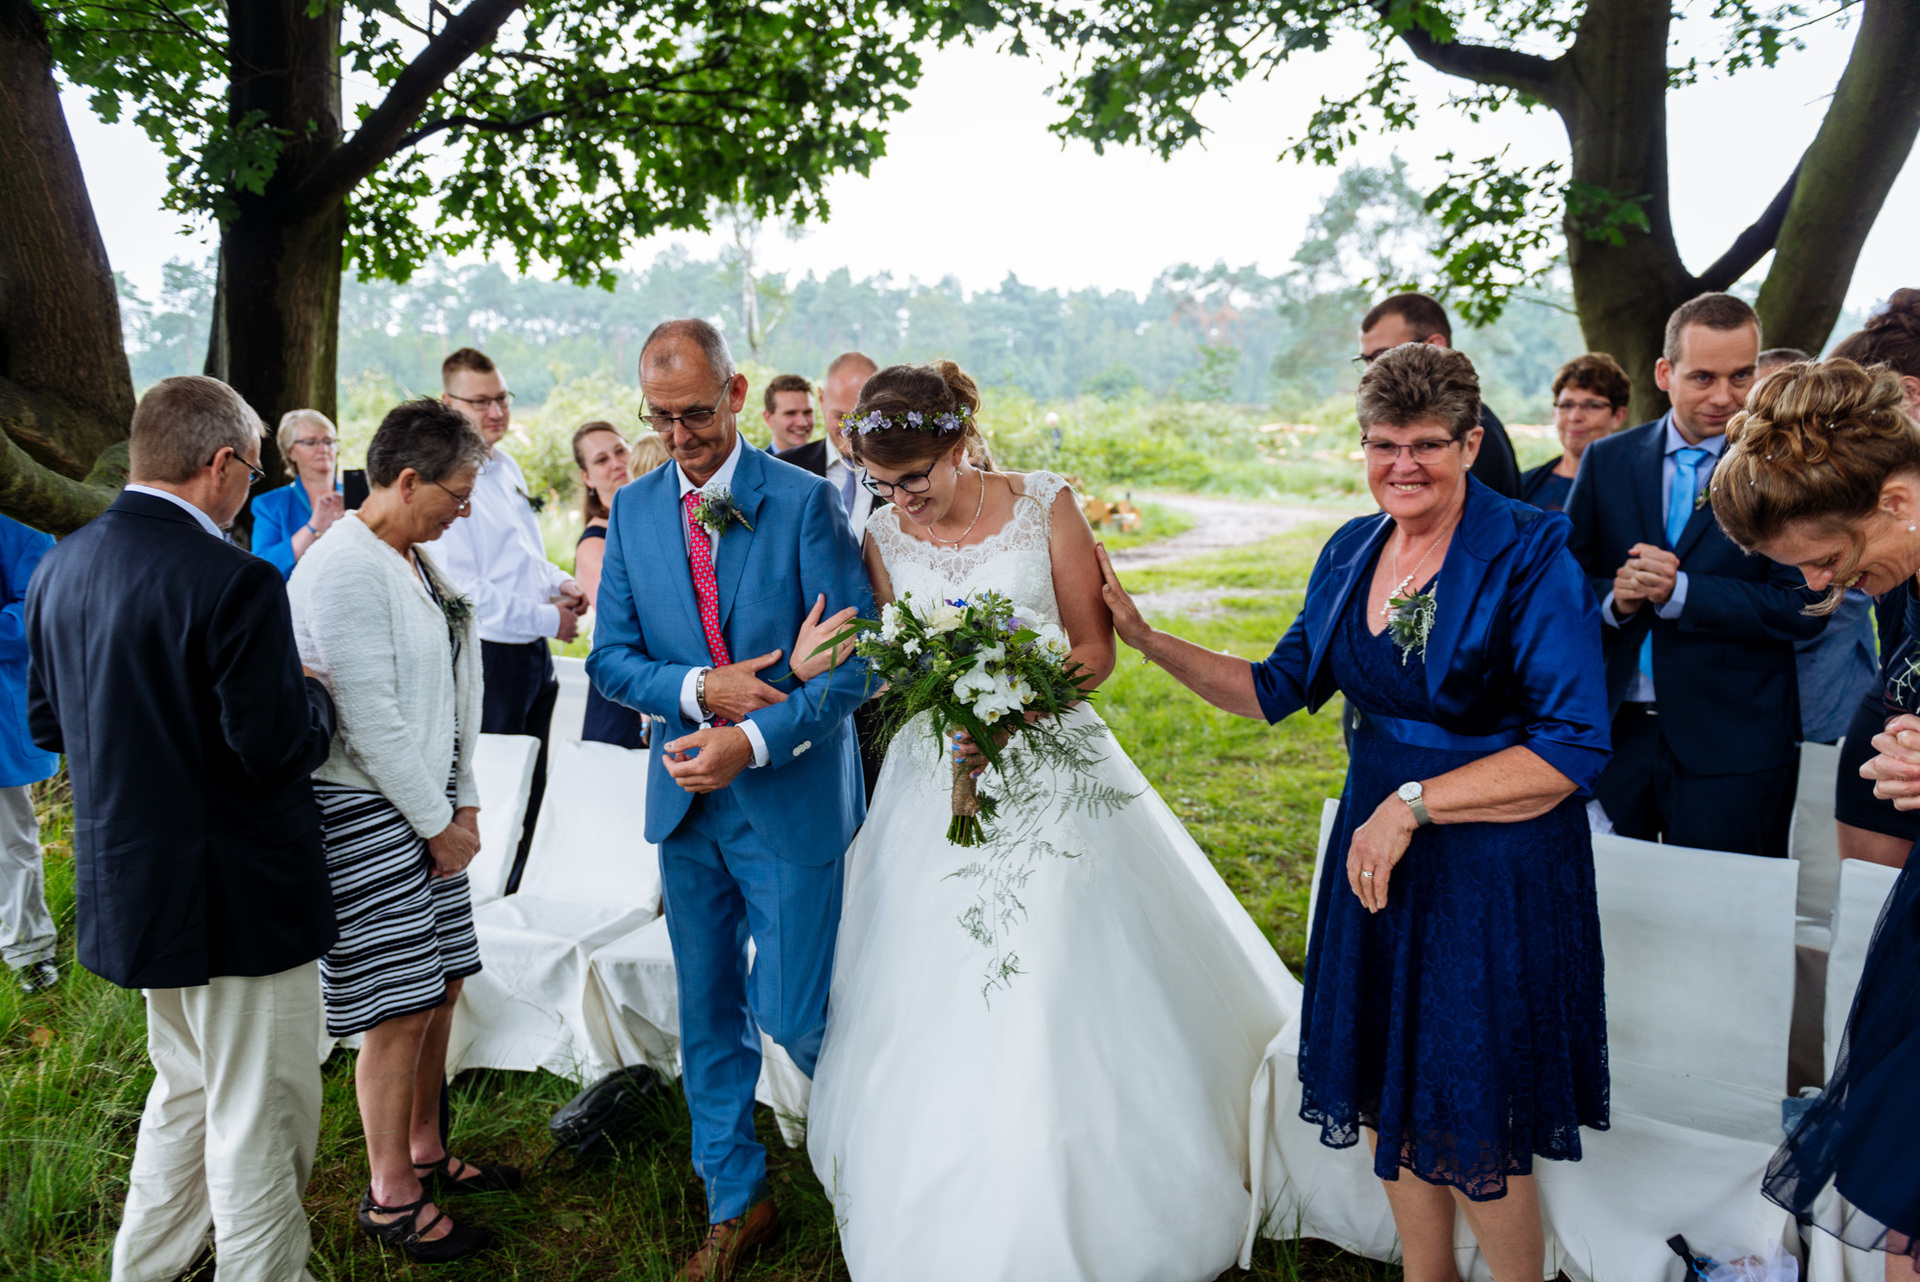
[(1466, 1022), (1863, 1136)]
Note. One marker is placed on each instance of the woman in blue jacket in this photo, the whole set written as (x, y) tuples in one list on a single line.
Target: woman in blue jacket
[(26, 928), (286, 521), (1454, 1006)]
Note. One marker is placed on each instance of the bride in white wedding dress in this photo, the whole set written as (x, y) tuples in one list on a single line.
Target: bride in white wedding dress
[(1039, 1052)]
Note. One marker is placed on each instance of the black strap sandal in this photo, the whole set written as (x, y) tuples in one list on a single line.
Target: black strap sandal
[(438, 1176), (461, 1241)]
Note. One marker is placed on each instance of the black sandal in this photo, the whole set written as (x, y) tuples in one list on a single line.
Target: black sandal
[(460, 1242), (437, 1176)]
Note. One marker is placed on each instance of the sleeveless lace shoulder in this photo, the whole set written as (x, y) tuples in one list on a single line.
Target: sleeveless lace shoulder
[(1016, 560)]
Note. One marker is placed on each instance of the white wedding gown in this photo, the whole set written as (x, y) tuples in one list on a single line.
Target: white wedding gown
[(1085, 1117)]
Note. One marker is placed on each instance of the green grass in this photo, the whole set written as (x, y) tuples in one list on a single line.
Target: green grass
[(74, 1073)]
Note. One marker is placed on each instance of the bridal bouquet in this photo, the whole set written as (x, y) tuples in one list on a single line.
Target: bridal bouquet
[(979, 666)]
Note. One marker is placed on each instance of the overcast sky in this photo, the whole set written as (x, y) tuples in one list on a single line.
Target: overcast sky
[(974, 186)]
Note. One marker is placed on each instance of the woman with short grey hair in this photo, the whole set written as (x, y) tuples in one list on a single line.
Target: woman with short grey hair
[(289, 520), (394, 642)]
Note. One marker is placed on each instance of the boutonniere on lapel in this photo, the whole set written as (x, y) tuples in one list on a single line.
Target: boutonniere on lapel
[(457, 608), (1410, 620), (716, 510)]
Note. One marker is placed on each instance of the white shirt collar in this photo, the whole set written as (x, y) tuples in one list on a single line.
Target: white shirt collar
[(206, 522), (723, 477)]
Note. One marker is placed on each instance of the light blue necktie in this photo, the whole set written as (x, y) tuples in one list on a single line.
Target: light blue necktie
[(1680, 501), (848, 489)]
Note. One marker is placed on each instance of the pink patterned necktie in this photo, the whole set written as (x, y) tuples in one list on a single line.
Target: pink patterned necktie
[(700, 559)]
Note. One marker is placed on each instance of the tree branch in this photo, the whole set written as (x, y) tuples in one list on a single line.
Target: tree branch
[(34, 493), (1528, 73), (382, 133), (1753, 244)]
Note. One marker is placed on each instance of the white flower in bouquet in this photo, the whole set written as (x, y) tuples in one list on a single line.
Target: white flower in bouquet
[(890, 622), (1051, 641), (945, 617)]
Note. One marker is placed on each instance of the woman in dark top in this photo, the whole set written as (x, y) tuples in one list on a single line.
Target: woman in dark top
[(606, 463), (1590, 395), (1454, 1008), (1822, 472), (1870, 828)]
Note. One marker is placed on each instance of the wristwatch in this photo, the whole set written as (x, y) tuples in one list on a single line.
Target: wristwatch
[(1416, 798), (700, 693)]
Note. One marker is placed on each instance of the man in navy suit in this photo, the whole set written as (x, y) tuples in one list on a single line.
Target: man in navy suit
[(163, 665), (1699, 636), (753, 788)]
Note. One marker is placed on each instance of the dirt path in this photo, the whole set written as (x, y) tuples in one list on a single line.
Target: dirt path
[(1218, 523)]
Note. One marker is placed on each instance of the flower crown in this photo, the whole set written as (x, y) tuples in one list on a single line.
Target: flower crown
[(912, 421)]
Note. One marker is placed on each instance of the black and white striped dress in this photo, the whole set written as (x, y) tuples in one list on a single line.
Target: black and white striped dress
[(404, 933)]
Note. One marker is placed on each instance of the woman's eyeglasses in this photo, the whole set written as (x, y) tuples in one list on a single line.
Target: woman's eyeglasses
[(913, 483), (464, 502), (1419, 451)]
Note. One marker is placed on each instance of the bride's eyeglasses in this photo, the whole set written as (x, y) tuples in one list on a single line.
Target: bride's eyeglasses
[(912, 483)]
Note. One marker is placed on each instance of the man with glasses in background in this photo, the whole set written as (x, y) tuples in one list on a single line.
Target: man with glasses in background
[(497, 557), (1416, 318)]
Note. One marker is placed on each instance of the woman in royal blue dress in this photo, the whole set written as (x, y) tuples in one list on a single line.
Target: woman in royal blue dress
[(289, 520), (1822, 472), (1453, 1008)]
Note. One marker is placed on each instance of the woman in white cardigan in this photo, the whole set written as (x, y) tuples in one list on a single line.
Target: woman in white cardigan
[(377, 622)]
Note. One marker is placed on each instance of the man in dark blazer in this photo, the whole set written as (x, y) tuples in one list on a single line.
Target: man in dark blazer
[(163, 665), (1417, 318), (1699, 635)]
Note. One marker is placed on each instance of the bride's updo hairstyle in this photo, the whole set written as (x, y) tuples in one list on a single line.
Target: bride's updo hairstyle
[(1816, 443), (926, 408)]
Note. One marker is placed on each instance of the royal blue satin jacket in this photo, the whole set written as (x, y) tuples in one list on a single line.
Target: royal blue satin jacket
[(1516, 634)]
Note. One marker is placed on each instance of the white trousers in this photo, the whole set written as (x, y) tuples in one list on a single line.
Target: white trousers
[(26, 928), (229, 1132)]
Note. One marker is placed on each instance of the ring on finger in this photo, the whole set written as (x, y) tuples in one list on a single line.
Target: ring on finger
[(1367, 874)]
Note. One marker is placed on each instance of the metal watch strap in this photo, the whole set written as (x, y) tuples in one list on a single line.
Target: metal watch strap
[(1419, 807), (700, 693)]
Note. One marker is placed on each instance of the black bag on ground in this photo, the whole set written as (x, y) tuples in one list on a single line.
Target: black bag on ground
[(613, 1107)]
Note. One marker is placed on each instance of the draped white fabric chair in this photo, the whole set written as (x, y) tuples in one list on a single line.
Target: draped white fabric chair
[(570, 709), (503, 767), (1700, 971), (590, 880), (1814, 841), (1863, 891)]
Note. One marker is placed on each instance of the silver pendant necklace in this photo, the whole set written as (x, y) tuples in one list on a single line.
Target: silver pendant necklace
[(1400, 591)]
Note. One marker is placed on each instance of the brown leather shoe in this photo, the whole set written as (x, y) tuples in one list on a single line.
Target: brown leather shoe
[(728, 1243)]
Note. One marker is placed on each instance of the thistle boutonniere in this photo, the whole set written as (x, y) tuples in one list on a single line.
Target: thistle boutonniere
[(1410, 620), (457, 608), (716, 510)]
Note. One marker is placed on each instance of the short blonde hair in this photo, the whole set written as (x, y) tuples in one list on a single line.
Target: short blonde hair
[(645, 453), (290, 424)]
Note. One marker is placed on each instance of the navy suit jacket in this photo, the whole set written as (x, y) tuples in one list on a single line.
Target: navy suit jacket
[(806, 802), (163, 665), (1516, 634), (1723, 671)]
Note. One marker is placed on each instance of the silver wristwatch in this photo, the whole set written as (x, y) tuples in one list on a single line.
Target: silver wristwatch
[(1416, 798), (700, 693)]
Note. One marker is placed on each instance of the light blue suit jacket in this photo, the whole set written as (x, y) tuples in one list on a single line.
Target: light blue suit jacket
[(806, 802)]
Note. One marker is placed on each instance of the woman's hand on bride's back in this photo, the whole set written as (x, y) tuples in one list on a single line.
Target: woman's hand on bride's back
[(816, 632)]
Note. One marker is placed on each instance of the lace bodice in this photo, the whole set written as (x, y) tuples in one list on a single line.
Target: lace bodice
[(1015, 561)]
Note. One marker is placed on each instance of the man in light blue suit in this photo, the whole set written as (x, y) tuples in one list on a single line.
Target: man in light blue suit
[(754, 791)]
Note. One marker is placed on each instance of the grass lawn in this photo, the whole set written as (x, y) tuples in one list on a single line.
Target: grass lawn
[(73, 1070)]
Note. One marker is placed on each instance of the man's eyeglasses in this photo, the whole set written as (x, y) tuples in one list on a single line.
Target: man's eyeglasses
[(1591, 407), (255, 474), (1420, 451), (1364, 359), (692, 420), (464, 501), (913, 483), (501, 401)]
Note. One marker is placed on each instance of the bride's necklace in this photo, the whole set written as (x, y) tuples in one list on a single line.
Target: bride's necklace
[(1400, 589), (978, 508)]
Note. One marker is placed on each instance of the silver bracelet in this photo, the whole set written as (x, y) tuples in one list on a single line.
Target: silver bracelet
[(700, 693)]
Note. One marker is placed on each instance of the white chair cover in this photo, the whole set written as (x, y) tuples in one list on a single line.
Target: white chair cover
[(591, 879), (570, 709), (1813, 838), (503, 767)]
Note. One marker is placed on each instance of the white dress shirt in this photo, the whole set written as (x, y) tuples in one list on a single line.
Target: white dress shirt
[(1640, 688), (495, 555), (839, 471), (206, 522), (721, 480)]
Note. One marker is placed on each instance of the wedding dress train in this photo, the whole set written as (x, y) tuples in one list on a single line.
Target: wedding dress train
[(1039, 1052)]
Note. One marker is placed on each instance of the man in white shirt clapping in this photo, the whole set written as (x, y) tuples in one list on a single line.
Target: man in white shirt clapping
[(497, 557)]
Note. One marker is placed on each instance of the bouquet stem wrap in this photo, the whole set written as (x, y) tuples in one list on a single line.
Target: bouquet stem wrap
[(965, 830)]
